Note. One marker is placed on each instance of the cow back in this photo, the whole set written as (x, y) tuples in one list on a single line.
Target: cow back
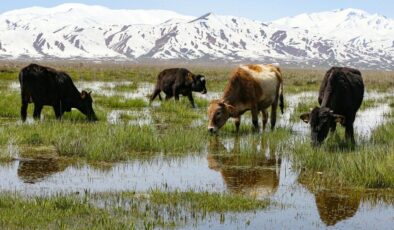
[(48, 86), (342, 90), (268, 78)]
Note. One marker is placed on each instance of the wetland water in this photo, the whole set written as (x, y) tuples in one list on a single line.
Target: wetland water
[(263, 172)]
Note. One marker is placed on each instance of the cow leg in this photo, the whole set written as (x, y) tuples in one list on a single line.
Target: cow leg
[(237, 123), (255, 120), (168, 97), (265, 118), (154, 95), (273, 113), (24, 106), (333, 127), (58, 111), (190, 96), (349, 134), (176, 93), (37, 111)]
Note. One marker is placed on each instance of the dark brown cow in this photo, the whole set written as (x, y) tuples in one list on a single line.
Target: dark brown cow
[(251, 87), (176, 81), (45, 86), (340, 96)]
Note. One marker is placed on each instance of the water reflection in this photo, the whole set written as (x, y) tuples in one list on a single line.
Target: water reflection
[(333, 206), (337, 206), (36, 170), (250, 168)]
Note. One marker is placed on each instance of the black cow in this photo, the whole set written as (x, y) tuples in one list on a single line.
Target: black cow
[(340, 96), (46, 86), (178, 81)]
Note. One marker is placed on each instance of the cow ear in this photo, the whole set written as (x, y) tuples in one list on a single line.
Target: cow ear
[(305, 117), (190, 78), (231, 109), (339, 118), (83, 94)]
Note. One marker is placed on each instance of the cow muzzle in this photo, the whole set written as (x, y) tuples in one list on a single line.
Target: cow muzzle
[(212, 130)]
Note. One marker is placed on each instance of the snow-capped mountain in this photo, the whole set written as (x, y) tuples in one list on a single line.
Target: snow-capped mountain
[(341, 37)]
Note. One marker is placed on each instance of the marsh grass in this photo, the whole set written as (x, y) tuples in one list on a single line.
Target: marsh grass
[(10, 104), (128, 210), (174, 130), (304, 106), (127, 87), (369, 165), (62, 213), (5, 155), (207, 202), (118, 102), (104, 142)]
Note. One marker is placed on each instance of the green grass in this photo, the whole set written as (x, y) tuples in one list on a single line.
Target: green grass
[(5, 155), (104, 142), (177, 129), (369, 165), (118, 102), (66, 213), (305, 105), (207, 202), (126, 210), (10, 103), (128, 87)]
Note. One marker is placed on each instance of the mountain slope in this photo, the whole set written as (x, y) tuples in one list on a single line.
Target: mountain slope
[(341, 37)]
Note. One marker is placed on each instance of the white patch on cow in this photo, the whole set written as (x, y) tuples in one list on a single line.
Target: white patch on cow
[(267, 80), (202, 79)]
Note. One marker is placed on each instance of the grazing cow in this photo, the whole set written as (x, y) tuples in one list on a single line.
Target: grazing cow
[(46, 86), (178, 81), (251, 87), (340, 96)]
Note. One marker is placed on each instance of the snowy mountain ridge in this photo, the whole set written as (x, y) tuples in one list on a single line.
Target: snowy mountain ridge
[(74, 31)]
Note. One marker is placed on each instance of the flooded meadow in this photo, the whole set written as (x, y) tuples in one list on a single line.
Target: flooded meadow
[(154, 165)]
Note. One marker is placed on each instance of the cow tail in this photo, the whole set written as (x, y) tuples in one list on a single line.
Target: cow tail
[(281, 100), (21, 75), (20, 79)]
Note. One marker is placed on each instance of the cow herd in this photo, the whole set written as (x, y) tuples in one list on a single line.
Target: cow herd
[(250, 87)]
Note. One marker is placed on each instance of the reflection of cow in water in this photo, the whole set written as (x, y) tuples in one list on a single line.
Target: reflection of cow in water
[(334, 205), (254, 173), (33, 171)]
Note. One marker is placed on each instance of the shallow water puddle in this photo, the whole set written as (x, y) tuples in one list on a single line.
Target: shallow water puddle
[(137, 117), (222, 169), (369, 119)]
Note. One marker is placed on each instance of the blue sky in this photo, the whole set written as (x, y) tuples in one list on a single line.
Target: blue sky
[(254, 9)]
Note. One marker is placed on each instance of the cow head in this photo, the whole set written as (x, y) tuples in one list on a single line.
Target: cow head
[(197, 83), (86, 106), (320, 120), (218, 113)]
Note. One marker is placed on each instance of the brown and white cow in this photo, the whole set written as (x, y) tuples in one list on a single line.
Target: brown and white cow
[(251, 87)]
